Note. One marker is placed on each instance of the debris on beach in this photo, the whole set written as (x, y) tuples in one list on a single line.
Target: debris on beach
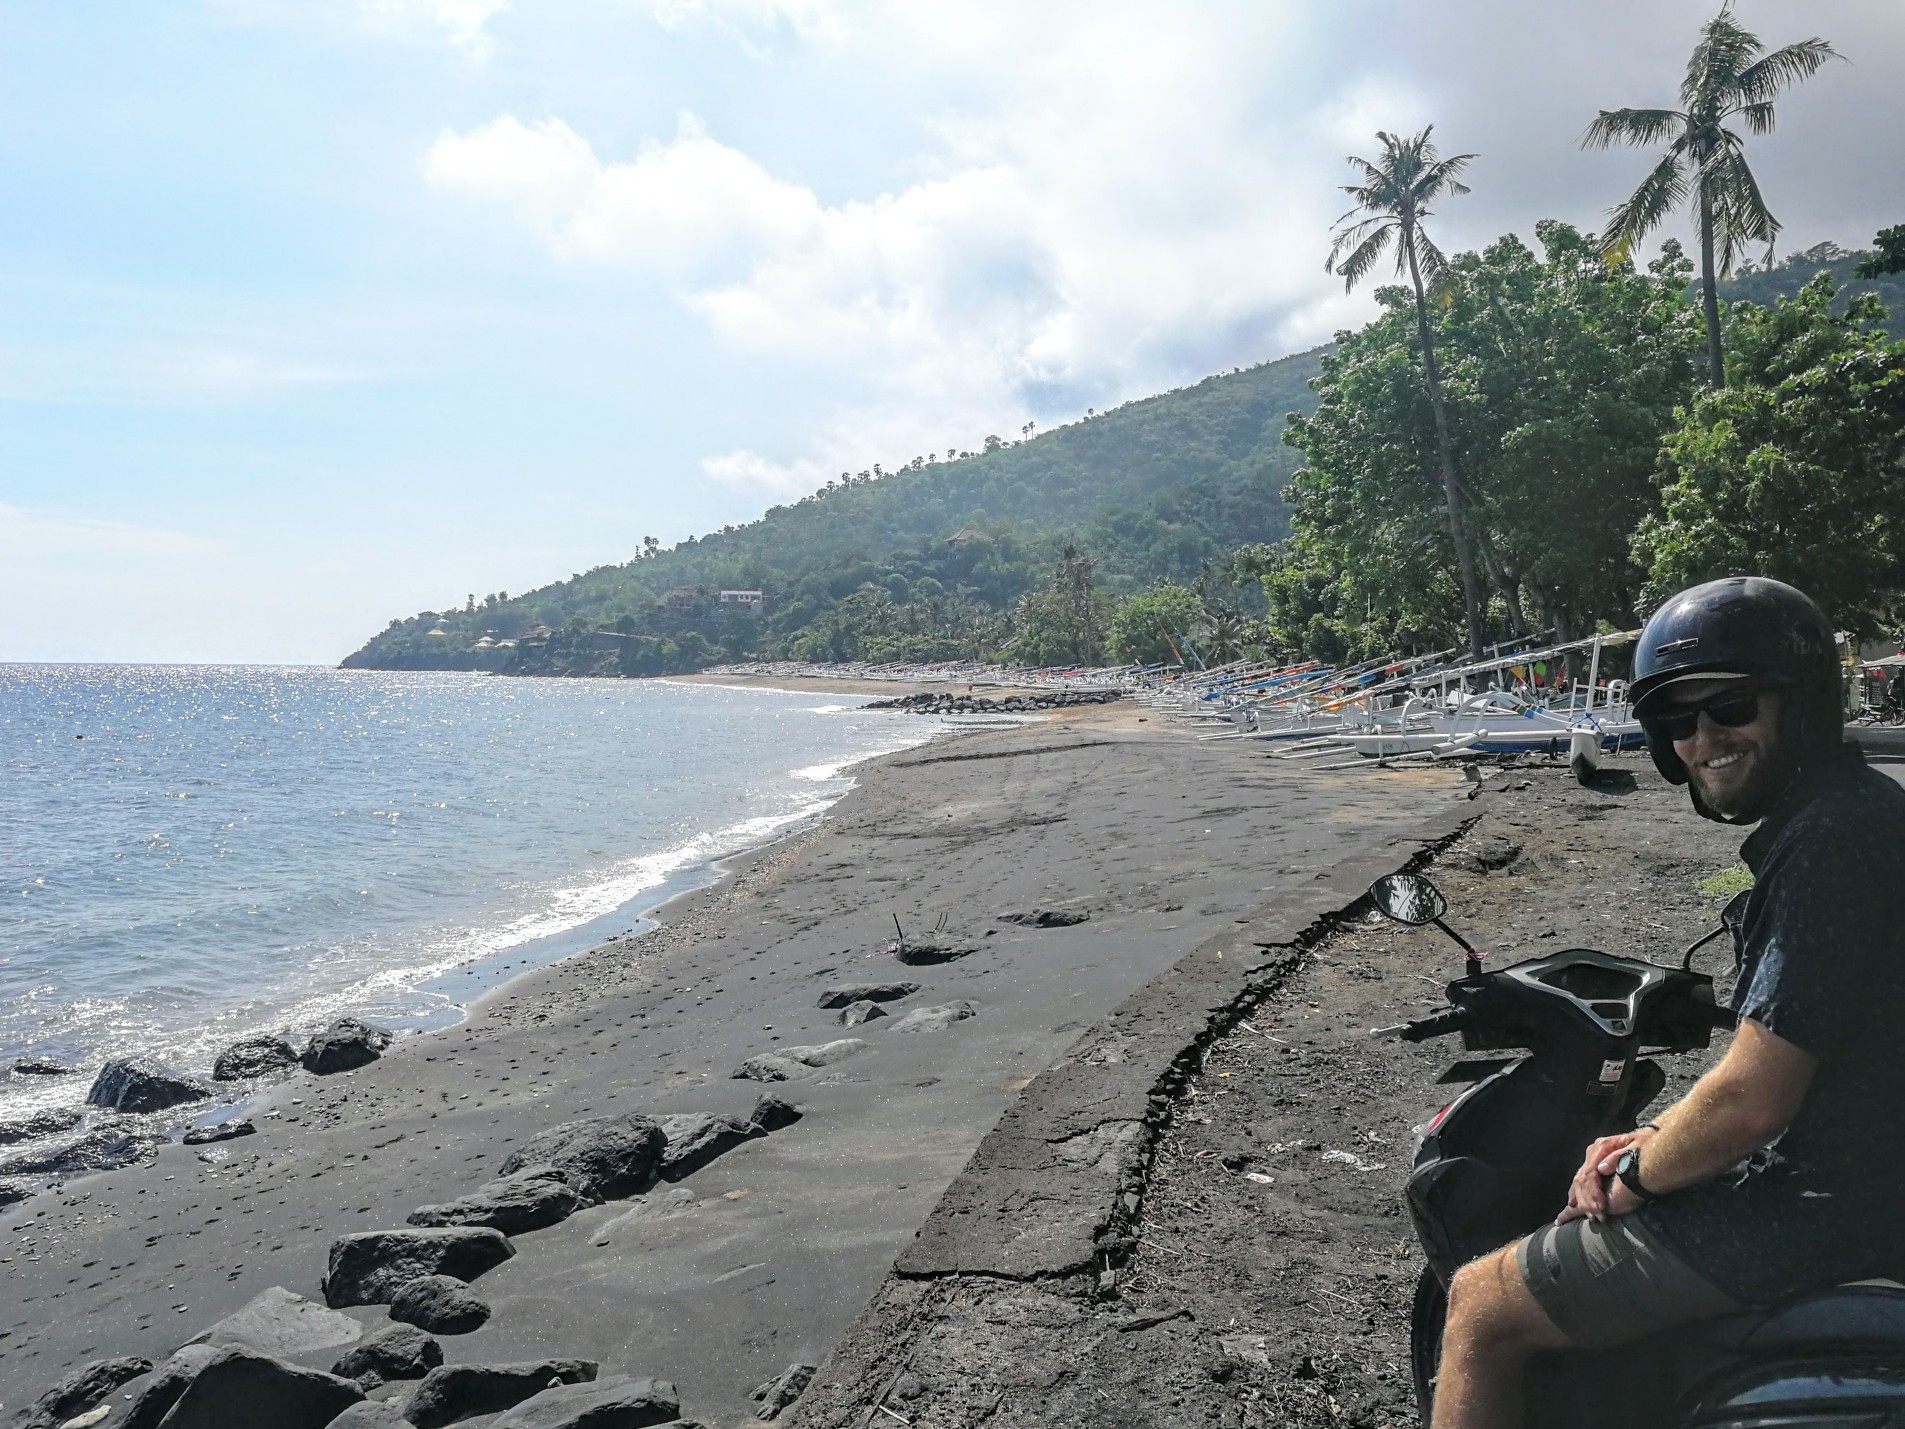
[(137, 1084), (220, 1131)]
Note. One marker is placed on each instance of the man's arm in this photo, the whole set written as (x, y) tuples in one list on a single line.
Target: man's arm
[(1736, 1108)]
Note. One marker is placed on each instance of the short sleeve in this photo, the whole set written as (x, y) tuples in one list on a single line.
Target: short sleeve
[(1805, 951)]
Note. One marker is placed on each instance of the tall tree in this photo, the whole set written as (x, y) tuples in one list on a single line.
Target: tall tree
[(1391, 203), (1730, 78)]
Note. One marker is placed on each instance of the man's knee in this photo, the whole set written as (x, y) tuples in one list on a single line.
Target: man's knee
[(1489, 1304)]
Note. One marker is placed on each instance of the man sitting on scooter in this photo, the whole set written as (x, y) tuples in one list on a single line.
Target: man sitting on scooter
[(1738, 688)]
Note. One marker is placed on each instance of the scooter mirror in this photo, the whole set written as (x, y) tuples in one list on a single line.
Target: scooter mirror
[(1408, 898), (1734, 914)]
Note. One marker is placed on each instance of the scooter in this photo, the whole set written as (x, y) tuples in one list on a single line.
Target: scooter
[(1496, 1163)]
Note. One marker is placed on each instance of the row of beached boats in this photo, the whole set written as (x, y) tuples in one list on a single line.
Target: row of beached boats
[(1418, 709)]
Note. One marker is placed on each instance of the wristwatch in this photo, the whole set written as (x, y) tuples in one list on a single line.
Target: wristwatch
[(1628, 1170)]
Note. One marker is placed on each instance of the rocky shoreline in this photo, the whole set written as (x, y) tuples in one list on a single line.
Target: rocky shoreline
[(730, 1259)]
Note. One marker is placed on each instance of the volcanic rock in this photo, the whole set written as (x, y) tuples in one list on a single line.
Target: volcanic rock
[(771, 1113), (344, 1046), (1047, 917), (439, 1304), (933, 1019), (527, 1201), (845, 994), (400, 1352), (41, 1067), (854, 1013), (279, 1322), (103, 1150), (238, 1386), (42, 1123), (782, 1390), (137, 1084), (168, 1382), (792, 1062), (656, 1205), (604, 1158), (371, 1414), (695, 1138), (13, 1192), (618, 1402), (368, 1267), (79, 1392), (254, 1057), (223, 1131), (452, 1392)]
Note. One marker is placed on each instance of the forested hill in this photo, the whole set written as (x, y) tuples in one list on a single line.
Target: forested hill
[(922, 562)]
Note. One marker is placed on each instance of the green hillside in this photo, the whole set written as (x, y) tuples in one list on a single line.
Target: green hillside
[(916, 563)]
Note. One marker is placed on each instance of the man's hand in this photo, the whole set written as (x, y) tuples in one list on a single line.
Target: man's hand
[(1591, 1193)]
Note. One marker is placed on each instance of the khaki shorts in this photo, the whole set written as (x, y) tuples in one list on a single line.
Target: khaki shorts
[(1607, 1282)]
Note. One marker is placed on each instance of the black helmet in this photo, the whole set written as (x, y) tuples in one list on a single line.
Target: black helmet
[(1747, 626)]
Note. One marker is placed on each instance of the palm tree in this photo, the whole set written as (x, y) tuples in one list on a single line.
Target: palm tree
[(1729, 77), (1391, 203)]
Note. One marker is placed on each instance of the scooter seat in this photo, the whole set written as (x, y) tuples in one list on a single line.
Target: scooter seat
[(1871, 1310)]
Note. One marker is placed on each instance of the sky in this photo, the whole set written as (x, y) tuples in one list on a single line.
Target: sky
[(318, 312)]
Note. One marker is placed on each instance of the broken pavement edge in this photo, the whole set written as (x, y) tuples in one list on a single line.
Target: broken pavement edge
[(1054, 1191)]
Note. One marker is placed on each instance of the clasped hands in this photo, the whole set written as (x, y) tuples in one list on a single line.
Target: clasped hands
[(1594, 1192)]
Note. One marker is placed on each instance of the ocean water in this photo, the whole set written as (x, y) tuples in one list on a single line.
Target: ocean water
[(191, 854)]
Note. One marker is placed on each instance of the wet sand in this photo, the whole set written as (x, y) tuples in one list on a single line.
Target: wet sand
[(1168, 844)]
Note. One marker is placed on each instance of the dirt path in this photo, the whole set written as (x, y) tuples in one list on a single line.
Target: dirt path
[(1286, 1303)]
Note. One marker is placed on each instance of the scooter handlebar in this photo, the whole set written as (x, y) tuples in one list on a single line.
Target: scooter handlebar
[(1438, 1025)]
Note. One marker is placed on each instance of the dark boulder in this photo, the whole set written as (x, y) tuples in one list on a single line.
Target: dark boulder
[(368, 1267), (855, 1013), (527, 1201), (452, 1392), (254, 1057), (344, 1046), (158, 1394), (843, 994), (41, 1067), (13, 1192), (933, 1019), (103, 1150), (782, 1390), (42, 1123), (137, 1084), (619, 1402), (440, 1304), (791, 1062), (237, 1386), (280, 1322), (400, 1352), (371, 1414), (695, 1138), (925, 953), (771, 1113), (604, 1158), (1047, 917), (222, 1131), (79, 1392)]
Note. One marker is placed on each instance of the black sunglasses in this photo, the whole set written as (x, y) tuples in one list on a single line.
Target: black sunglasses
[(1729, 708)]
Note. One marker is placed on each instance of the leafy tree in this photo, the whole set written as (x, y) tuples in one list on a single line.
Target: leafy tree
[(1730, 77), (1151, 627), (1064, 624), (1391, 203), (1798, 470), (1889, 257)]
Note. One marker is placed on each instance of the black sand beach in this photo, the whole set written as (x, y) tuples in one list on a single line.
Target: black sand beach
[(1168, 845)]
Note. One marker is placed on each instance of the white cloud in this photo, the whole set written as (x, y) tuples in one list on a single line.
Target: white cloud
[(463, 22)]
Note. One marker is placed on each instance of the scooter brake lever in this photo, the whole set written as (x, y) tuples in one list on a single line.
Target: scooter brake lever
[(1389, 1032)]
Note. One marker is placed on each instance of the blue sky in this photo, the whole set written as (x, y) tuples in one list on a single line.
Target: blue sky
[(315, 312)]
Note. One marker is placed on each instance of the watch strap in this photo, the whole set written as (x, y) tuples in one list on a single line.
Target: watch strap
[(1628, 1169)]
